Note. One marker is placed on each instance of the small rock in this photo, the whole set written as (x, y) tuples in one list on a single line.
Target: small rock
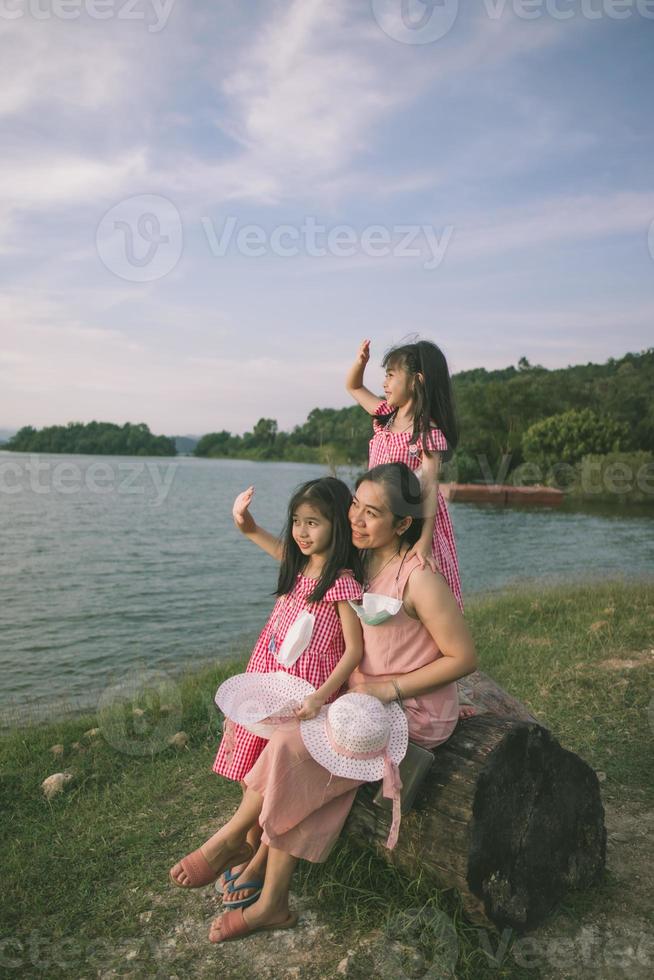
[(55, 783), (57, 750), (600, 775), (138, 712), (92, 733), (621, 837), (76, 746), (145, 916), (179, 740)]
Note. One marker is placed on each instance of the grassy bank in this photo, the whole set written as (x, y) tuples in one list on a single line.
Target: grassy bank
[(85, 875)]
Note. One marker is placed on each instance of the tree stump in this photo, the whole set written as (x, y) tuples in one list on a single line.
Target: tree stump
[(505, 815)]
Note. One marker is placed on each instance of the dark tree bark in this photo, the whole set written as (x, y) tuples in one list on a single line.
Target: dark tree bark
[(506, 815)]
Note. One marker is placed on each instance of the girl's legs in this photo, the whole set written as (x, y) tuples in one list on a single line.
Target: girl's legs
[(272, 905), (256, 867), (230, 838)]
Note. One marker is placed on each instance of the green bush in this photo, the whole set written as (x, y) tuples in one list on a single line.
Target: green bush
[(568, 437)]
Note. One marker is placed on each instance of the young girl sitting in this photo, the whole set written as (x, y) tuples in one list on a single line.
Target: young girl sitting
[(414, 424), (320, 571)]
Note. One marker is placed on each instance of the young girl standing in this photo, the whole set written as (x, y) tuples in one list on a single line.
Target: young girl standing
[(414, 424), (320, 571)]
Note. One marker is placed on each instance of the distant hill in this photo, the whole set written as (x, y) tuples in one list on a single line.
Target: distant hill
[(185, 444)]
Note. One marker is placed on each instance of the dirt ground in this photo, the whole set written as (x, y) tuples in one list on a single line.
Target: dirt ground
[(613, 937)]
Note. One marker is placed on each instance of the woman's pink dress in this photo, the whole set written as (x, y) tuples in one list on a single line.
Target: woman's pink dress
[(239, 749), (304, 806), (398, 447)]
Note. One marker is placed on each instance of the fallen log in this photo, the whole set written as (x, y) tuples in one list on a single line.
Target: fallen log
[(506, 816)]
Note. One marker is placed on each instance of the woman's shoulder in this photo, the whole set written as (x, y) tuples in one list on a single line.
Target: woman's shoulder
[(345, 586), (414, 572)]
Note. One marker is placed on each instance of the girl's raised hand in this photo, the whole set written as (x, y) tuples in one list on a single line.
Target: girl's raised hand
[(363, 354), (242, 517)]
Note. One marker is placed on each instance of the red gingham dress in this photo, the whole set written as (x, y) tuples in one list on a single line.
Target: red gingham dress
[(239, 749), (397, 447)]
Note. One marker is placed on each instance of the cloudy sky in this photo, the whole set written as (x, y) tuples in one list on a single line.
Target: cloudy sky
[(204, 206)]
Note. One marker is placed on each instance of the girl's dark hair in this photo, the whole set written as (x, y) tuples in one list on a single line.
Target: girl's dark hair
[(332, 498), (403, 495), (433, 396)]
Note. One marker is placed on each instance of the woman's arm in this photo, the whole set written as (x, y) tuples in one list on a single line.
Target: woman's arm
[(354, 380), (351, 658), (429, 487), (247, 525), (428, 597)]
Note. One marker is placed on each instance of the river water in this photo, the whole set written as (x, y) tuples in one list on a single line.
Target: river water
[(116, 564)]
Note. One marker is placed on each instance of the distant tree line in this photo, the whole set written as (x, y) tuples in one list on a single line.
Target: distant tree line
[(96, 438), (329, 435), (508, 417)]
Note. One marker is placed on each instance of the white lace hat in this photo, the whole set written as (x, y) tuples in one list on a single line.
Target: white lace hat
[(359, 737), (262, 703)]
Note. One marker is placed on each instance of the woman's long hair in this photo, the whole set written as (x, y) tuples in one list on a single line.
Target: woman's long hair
[(403, 495), (332, 498), (433, 396)]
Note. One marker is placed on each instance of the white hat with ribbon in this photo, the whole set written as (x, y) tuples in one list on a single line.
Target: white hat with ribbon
[(359, 737), (262, 703)]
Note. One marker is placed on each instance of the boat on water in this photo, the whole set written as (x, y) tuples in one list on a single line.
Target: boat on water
[(501, 494)]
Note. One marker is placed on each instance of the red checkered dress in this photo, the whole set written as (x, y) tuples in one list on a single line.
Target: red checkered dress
[(240, 749), (397, 447)]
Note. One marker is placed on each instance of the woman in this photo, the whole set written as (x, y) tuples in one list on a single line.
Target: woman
[(416, 656)]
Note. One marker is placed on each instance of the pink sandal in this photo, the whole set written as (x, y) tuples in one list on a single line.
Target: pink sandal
[(200, 872), (234, 926)]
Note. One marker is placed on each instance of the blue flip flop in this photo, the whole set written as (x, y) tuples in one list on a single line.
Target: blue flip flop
[(257, 884), (229, 876)]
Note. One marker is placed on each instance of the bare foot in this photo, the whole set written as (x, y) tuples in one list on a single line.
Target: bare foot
[(466, 711), (218, 853)]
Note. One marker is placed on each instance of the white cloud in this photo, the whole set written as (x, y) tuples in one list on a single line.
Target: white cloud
[(555, 219), (66, 66)]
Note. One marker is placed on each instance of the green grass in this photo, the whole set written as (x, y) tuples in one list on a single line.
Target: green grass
[(89, 863)]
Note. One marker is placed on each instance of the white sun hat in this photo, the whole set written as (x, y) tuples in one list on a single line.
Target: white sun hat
[(359, 737), (262, 703)]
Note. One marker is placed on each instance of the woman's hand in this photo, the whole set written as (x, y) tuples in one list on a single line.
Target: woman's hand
[(383, 690), (422, 549), (309, 707), (242, 517)]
